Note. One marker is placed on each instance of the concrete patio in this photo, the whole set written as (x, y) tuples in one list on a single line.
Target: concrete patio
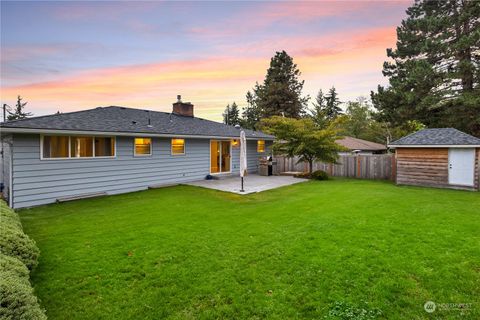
[(252, 183)]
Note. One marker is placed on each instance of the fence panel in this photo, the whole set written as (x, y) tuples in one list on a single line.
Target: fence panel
[(365, 166)]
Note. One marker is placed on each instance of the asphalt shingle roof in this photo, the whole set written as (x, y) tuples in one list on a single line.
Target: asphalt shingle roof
[(129, 120), (359, 144), (439, 136)]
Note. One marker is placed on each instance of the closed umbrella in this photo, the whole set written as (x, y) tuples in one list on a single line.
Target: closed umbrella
[(243, 156)]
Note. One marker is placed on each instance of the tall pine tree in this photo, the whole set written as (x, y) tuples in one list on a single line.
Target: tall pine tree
[(231, 115), (281, 92), (435, 74), (332, 104), (19, 113)]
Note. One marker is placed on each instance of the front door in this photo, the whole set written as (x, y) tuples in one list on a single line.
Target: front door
[(461, 164), (220, 158)]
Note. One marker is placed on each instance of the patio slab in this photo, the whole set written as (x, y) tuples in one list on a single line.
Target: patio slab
[(252, 183)]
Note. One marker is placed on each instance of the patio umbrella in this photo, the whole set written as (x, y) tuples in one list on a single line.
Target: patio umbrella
[(243, 157)]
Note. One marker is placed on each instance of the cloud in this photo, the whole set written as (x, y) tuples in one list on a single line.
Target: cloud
[(213, 82)]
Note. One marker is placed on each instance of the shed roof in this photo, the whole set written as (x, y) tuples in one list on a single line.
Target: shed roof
[(437, 137), (352, 143), (128, 120)]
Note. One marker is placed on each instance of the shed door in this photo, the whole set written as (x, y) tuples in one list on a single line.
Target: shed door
[(461, 163)]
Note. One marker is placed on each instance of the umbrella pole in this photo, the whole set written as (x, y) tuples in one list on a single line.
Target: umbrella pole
[(241, 190)]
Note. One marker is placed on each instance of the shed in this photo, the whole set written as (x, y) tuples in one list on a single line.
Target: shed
[(441, 157)]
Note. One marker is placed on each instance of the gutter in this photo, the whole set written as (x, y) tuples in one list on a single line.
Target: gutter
[(130, 134), (434, 146)]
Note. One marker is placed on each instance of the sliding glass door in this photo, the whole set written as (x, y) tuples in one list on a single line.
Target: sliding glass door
[(220, 157)]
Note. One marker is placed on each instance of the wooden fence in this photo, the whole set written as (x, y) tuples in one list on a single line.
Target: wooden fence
[(375, 166)]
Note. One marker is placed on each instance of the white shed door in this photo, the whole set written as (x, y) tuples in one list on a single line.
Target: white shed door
[(461, 163)]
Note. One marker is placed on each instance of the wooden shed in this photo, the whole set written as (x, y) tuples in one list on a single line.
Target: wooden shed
[(444, 158)]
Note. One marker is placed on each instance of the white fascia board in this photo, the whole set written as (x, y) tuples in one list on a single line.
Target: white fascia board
[(127, 134)]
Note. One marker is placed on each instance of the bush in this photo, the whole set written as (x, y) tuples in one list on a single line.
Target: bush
[(8, 216), (319, 175), (17, 298), (316, 175), (14, 266), (18, 253), (15, 243)]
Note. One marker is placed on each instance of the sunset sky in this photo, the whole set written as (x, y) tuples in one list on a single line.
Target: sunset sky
[(66, 56)]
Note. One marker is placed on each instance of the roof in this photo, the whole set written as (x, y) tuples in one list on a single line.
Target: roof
[(128, 121), (352, 143), (437, 137)]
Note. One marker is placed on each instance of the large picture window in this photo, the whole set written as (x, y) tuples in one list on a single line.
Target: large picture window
[(178, 146), (143, 146), (61, 147)]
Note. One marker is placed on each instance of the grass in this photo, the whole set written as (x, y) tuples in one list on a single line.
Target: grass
[(312, 250)]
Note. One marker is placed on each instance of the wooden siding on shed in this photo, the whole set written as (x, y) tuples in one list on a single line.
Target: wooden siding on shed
[(428, 167), (37, 182)]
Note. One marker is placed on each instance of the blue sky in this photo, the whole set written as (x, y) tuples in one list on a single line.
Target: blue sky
[(75, 55)]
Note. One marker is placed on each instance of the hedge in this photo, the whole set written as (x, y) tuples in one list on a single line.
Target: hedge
[(15, 243), (18, 254)]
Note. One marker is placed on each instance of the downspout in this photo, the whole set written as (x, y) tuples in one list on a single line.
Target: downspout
[(10, 193)]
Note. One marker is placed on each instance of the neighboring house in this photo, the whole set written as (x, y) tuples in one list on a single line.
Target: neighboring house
[(360, 146), (114, 150), (444, 157)]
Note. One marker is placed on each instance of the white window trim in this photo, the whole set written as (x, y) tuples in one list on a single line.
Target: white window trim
[(140, 155), (70, 148), (184, 147)]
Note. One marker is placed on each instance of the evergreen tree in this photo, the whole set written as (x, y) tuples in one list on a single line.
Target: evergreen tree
[(435, 73), (281, 92), (231, 115), (318, 113), (332, 108), (250, 114), (18, 112)]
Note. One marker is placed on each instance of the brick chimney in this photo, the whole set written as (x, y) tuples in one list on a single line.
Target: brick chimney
[(182, 108)]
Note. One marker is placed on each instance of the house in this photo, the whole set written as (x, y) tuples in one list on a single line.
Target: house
[(360, 146), (443, 157), (110, 150)]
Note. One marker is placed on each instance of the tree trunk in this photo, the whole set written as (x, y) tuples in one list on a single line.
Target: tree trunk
[(310, 166)]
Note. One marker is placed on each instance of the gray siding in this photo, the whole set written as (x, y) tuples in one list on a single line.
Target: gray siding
[(37, 182)]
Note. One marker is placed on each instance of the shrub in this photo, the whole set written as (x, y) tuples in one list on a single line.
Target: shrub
[(319, 175), (17, 298), (8, 216), (13, 265), (15, 243)]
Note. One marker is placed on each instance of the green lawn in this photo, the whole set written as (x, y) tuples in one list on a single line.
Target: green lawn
[(302, 251)]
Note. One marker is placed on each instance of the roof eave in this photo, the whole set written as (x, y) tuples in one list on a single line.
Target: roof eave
[(394, 146), (114, 133)]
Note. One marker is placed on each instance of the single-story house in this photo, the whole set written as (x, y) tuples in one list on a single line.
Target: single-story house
[(110, 150), (444, 157), (360, 146)]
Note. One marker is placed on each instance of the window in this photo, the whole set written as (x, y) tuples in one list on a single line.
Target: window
[(104, 147), (261, 146), (178, 146), (143, 146), (77, 147), (81, 147), (55, 147)]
